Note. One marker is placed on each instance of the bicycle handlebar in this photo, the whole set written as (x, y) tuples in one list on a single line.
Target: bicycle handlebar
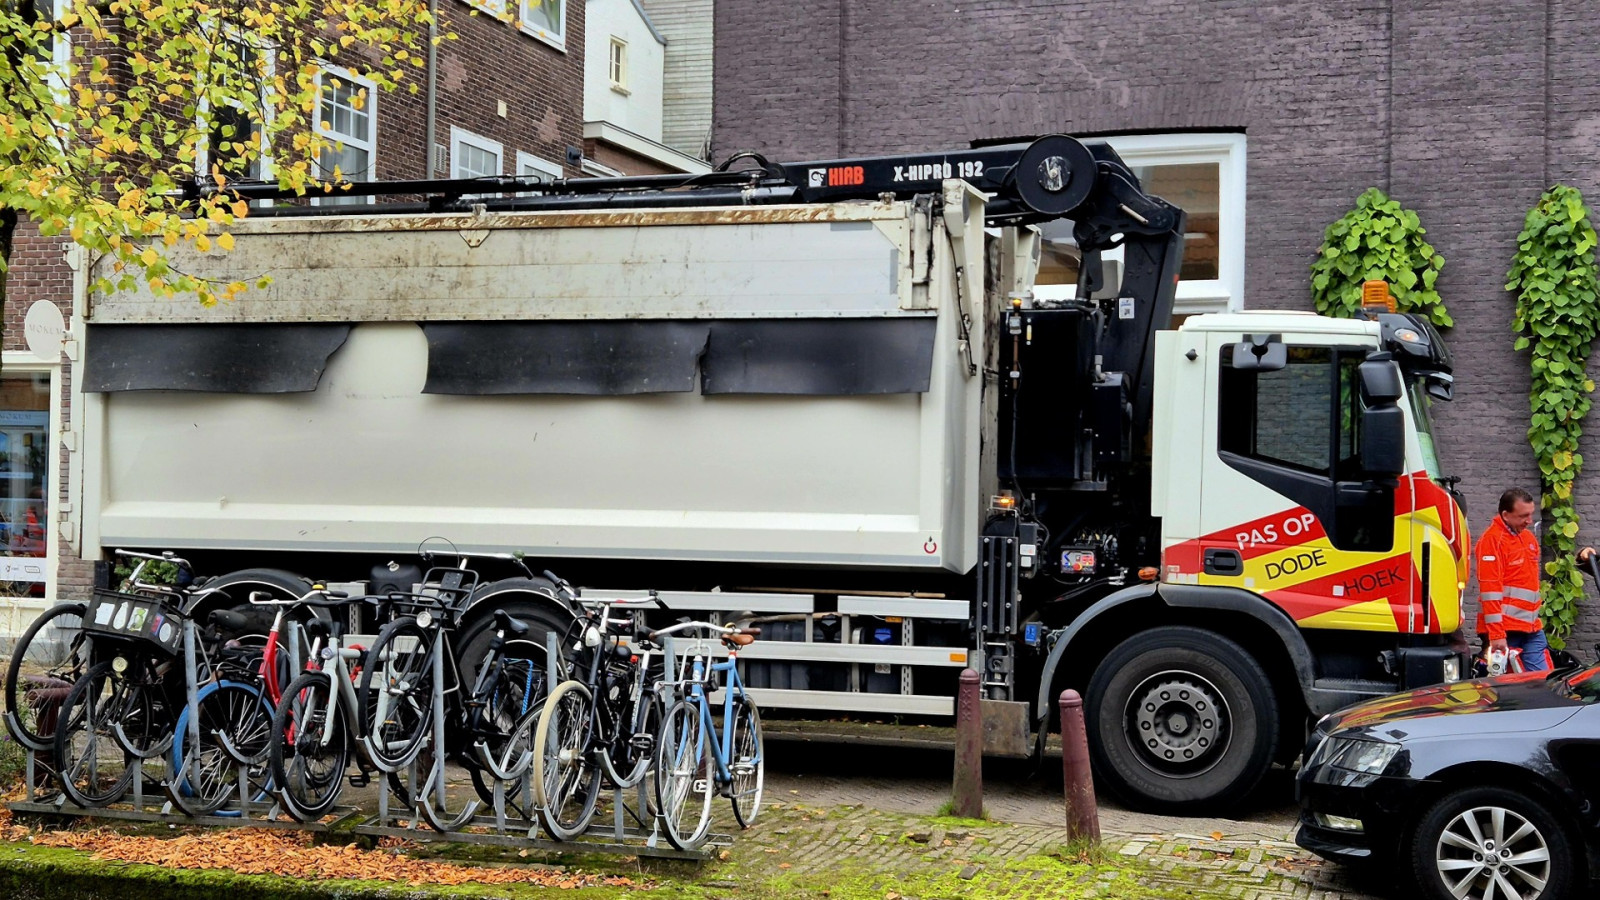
[(722, 630)]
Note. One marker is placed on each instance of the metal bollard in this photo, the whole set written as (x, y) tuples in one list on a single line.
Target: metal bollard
[(967, 792), (1083, 817)]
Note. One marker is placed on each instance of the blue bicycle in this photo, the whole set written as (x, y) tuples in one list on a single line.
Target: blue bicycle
[(695, 758)]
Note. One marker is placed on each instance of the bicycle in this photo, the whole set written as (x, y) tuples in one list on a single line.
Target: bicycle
[(316, 722), (600, 722), (410, 688), (125, 706), (692, 757), (49, 658)]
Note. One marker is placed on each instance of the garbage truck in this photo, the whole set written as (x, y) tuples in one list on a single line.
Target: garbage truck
[(823, 395)]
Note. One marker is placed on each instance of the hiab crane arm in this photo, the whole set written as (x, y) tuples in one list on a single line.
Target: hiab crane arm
[(1052, 177)]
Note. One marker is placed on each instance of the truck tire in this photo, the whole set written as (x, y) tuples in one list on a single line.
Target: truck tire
[(232, 591), (1181, 719)]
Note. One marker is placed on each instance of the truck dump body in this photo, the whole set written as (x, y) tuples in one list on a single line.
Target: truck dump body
[(782, 385)]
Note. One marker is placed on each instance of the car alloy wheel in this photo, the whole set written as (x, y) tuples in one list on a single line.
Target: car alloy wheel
[(1490, 851)]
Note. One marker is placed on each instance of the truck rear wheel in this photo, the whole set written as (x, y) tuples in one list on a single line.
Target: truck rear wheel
[(1181, 719)]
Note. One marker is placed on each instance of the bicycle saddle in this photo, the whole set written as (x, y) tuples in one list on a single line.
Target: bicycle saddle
[(230, 622), (738, 639), (504, 622)]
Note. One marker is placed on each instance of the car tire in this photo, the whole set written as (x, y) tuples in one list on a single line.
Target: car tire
[(1441, 855), (1181, 719)]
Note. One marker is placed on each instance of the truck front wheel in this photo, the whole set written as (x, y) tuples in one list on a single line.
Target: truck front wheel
[(1181, 719)]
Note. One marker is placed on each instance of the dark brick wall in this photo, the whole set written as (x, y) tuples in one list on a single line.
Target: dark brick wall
[(1463, 109)]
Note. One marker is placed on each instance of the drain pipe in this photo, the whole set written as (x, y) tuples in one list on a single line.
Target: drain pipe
[(433, 89)]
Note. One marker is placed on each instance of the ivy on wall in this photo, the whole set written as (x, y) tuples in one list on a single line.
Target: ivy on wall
[(1558, 317), (1378, 240)]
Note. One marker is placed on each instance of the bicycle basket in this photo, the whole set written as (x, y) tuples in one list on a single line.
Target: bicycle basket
[(151, 620)]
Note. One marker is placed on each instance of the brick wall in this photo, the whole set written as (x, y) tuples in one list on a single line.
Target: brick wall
[(1463, 109)]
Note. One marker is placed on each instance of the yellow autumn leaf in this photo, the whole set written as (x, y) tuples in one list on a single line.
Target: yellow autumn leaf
[(225, 241), (149, 257)]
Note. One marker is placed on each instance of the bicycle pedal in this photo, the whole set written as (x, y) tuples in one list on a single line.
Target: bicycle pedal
[(361, 780), (643, 742)]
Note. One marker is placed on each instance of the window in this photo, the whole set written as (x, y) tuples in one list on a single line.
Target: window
[(57, 53), (232, 138), (619, 65), (1204, 174), (529, 165), (546, 20), (348, 116), (492, 7), (1283, 417), (472, 156), (25, 482)]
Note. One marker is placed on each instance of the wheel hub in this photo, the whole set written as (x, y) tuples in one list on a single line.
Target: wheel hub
[(1492, 851), (1178, 721)]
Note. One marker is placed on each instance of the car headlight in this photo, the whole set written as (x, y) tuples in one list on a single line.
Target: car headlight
[(1353, 755)]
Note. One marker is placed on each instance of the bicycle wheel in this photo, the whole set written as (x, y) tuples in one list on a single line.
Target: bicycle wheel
[(518, 690), (48, 660), (396, 692), (684, 773), (633, 750), (208, 774), (96, 770), (566, 783), (444, 807), (307, 758), (521, 746), (746, 761)]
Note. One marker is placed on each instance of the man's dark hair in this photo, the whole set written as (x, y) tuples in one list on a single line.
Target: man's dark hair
[(1511, 498)]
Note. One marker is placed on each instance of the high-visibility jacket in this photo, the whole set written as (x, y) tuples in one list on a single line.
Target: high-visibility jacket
[(1508, 581)]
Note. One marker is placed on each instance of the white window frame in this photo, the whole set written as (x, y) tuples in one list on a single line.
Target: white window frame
[(492, 7), (460, 137), (617, 65), (203, 111), (22, 362), (539, 165), (368, 106), (557, 38), (1225, 293)]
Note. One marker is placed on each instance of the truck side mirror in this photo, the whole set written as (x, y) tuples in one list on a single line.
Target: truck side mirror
[(1383, 441), (1260, 353), (1441, 386), (1383, 424), (1380, 381)]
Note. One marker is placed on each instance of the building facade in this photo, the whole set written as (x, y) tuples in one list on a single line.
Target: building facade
[(623, 95), (1272, 117), (507, 98)]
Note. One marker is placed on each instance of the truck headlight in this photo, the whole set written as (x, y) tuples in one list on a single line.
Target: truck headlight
[(1452, 669), (1353, 755)]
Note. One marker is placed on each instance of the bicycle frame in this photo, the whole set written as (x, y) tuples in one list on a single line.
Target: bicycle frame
[(721, 753)]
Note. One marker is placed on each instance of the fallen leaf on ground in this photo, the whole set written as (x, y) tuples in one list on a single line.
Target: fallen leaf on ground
[(251, 851), (1216, 835)]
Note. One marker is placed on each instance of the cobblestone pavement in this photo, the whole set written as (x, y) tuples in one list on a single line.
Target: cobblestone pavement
[(909, 857), (1251, 857)]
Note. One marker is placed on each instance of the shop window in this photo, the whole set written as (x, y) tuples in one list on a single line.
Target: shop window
[(1204, 174), (25, 483)]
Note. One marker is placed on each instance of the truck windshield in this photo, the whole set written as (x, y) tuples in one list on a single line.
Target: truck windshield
[(1422, 413)]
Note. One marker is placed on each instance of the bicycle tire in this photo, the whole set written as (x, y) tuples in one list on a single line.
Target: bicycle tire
[(746, 761), (208, 774), (397, 705), (518, 792), (96, 770), (518, 690), (632, 750), (685, 772), (566, 782), (309, 773), (444, 811), (55, 650)]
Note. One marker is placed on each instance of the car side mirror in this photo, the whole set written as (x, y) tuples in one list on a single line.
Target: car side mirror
[(1260, 353)]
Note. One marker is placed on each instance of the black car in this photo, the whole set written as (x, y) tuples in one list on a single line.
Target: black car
[(1482, 790)]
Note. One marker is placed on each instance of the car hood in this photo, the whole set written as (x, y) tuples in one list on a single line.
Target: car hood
[(1526, 702)]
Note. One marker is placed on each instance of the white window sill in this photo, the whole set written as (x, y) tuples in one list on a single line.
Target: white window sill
[(539, 34), (621, 90)]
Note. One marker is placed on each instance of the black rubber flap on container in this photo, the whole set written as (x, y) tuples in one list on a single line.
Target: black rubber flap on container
[(254, 358), (599, 358), (820, 356)]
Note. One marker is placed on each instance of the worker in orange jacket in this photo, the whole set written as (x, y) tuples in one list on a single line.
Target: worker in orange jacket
[(1508, 583)]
